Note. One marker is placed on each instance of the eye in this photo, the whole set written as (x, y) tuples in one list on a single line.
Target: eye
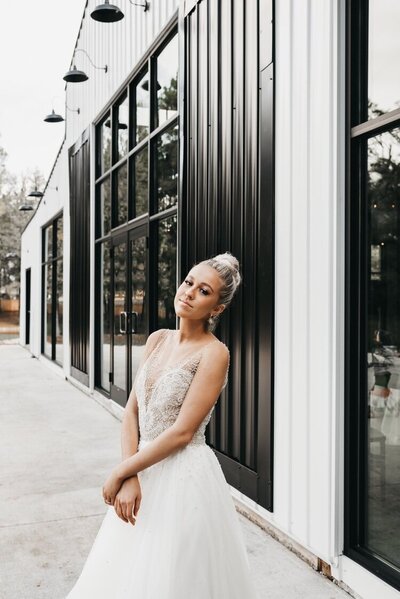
[(202, 289)]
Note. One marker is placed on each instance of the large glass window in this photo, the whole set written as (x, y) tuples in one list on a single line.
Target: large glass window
[(373, 357), (52, 281), (383, 54), (136, 218)]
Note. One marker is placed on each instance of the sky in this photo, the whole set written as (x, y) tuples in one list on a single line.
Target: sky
[(36, 44)]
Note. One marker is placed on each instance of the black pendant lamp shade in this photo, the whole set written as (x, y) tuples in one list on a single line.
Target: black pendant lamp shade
[(35, 194), (75, 75), (53, 117), (145, 85), (107, 13), (25, 207)]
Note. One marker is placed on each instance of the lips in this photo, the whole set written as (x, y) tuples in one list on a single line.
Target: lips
[(186, 304)]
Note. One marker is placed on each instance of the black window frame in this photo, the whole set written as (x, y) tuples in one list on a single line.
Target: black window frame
[(359, 129), (152, 217), (53, 261)]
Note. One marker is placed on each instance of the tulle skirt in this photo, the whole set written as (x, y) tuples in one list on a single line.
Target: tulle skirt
[(186, 543)]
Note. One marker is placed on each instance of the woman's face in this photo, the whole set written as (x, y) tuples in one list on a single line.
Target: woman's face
[(198, 296)]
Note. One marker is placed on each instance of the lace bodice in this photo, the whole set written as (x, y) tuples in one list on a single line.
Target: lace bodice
[(160, 391)]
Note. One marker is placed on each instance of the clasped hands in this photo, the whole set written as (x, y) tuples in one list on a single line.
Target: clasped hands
[(124, 494)]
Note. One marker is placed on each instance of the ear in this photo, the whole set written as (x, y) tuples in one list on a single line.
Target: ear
[(219, 309)]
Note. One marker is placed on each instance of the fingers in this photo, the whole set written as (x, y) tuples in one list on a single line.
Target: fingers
[(119, 511), (137, 505)]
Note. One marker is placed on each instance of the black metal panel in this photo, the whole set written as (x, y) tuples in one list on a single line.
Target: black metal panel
[(228, 123), (79, 176), (27, 305)]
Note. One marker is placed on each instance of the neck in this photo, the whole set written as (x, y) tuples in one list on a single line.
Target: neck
[(191, 330)]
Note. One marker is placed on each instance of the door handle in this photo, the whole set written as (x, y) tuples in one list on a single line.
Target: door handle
[(122, 329), (134, 322)]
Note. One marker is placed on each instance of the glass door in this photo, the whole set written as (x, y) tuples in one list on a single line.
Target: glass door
[(138, 316), (129, 310), (119, 258)]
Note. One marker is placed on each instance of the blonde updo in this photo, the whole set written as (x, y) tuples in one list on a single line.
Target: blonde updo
[(227, 267)]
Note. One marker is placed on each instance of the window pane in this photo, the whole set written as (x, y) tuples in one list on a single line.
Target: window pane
[(47, 308), (383, 49), (121, 127), (141, 177), (59, 311), (167, 168), (104, 146), (121, 211), (142, 108), (104, 325), (383, 329), (167, 236), (103, 207), (60, 236), (167, 81), (48, 243), (138, 320)]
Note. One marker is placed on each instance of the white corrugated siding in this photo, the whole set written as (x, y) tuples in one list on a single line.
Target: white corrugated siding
[(309, 271)]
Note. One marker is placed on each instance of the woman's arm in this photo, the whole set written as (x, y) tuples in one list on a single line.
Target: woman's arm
[(202, 394)]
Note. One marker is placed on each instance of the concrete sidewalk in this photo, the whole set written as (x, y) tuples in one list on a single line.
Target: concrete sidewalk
[(58, 446)]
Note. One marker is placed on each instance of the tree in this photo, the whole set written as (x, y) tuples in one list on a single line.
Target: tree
[(13, 192)]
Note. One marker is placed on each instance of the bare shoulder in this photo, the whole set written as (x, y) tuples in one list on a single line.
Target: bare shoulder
[(217, 355), (153, 338)]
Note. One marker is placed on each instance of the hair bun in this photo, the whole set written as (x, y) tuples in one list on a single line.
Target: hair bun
[(227, 259)]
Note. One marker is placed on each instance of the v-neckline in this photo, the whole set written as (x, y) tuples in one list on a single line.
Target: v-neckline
[(183, 361)]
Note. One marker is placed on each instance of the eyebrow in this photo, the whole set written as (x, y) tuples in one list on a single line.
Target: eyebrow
[(203, 283)]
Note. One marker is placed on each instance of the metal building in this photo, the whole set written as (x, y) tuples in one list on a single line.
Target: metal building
[(270, 130)]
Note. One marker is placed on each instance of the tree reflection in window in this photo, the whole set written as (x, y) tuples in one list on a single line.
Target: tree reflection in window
[(167, 168), (166, 278), (167, 77)]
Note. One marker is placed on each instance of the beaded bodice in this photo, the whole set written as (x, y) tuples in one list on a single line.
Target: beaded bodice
[(160, 391)]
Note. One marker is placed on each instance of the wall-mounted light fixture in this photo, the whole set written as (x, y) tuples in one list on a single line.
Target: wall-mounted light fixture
[(53, 117), (74, 75), (120, 125), (109, 13), (35, 193)]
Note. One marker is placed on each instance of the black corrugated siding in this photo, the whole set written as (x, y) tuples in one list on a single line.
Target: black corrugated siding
[(228, 123), (79, 173)]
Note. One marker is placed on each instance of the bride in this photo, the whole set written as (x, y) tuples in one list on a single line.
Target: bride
[(172, 531)]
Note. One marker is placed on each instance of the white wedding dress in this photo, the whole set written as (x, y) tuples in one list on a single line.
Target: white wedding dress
[(187, 542)]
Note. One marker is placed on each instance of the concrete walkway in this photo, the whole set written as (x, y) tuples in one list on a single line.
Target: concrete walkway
[(58, 446)]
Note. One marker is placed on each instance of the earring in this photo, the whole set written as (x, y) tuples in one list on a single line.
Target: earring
[(211, 320)]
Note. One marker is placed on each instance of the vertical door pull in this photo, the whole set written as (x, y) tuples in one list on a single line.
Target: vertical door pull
[(122, 321)]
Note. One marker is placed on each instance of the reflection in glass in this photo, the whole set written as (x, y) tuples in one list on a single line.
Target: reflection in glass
[(121, 126), (48, 295), (122, 195), (141, 177), (137, 321), (59, 311), (104, 149), (60, 234), (48, 243), (120, 323), (167, 168), (167, 81), (105, 313), (167, 236), (383, 52), (383, 330), (142, 108), (103, 208)]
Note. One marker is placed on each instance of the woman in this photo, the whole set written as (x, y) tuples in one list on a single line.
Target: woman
[(172, 531)]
